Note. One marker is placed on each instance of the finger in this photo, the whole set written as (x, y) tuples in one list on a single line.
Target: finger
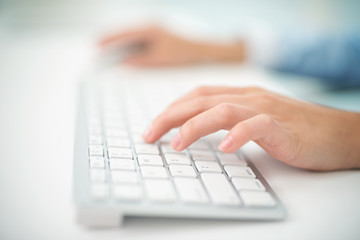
[(216, 90), (265, 131), (222, 116), (175, 116)]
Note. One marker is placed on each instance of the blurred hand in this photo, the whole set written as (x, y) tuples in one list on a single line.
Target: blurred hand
[(162, 48), (300, 134)]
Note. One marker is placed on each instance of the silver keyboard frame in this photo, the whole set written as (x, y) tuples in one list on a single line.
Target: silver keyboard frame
[(110, 213)]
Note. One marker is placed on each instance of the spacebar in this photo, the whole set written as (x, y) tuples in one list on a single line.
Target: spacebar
[(219, 189)]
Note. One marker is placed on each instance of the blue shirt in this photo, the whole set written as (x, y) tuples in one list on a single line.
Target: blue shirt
[(333, 58)]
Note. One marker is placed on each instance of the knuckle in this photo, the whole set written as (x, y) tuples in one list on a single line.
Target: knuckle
[(265, 99), (200, 102), (225, 111), (266, 119)]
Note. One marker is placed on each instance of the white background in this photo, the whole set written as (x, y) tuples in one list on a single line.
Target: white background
[(39, 71)]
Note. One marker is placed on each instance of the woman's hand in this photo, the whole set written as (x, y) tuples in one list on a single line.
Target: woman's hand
[(162, 48), (298, 133)]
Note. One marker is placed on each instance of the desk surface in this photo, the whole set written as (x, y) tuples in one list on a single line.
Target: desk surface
[(38, 80)]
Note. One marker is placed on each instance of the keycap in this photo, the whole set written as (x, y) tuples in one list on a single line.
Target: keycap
[(129, 177), (96, 150), (166, 148), (191, 190), (219, 189), (114, 124), (247, 184), (95, 130), (153, 172), (201, 155), (97, 162), (149, 160), (237, 171), (118, 142), (113, 132), (230, 159), (120, 153), (94, 121), (146, 148), (97, 175), (182, 171), (122, 164), (127, 192), (137, 138), (99, 191), (177, 158), (201, 145), (205, 166), (256, 198), (95, 140), (159, 190)]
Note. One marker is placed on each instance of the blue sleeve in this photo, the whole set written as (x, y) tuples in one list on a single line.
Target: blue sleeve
[(333, 58)]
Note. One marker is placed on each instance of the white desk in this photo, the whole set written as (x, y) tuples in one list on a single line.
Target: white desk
[(38, 77)]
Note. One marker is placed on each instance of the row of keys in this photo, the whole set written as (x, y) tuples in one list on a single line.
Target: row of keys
[(171, 158), (190, 190)]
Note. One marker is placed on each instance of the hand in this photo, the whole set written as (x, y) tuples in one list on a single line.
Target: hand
[(163, 48), (300, 134)]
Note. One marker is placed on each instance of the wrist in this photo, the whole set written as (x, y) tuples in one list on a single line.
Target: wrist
[(354, 151), (234, 52), (348, 138)]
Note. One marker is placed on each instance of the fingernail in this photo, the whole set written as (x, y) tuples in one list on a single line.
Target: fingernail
[(226, 143), (146, 135), (176, 141)]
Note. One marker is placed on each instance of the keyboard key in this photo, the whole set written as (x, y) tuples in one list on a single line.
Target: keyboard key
[(150, 160), (177, 158), (127, 192), (153, 172), (95, 140), (120, 153), (122, 164), (118, 142), (160, 190), (191, 190), (201, 155), (97, 175), (137, 138), (95, 130), (247, 184), (96, 151), (205, 166), (114, 124), (113, 132), (255, 198), (200, 145), (219, 189), (128, 177), (166, 148), (99, 191), (97, 162), (237, 171), (146, 148), (182, 171), (230, 159)]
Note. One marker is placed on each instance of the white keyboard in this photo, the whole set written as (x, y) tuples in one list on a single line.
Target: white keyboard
[(117, 174)]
